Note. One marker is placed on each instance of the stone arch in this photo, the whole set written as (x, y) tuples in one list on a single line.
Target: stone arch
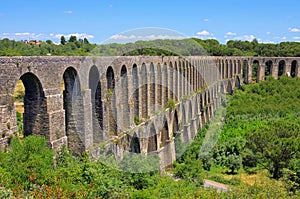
[(281, 68), (111, 99), (180, 93), (184, 120), (235, 67), (152, 89), (176, 126), (255, 74), (152, 140), (190, 112), (144, 91), (226, 69), (164, 132), (230, 69), (269, 68), (165, 83), (245, 71), (294, 68), (135, 144), (229, 87), (125, 97), (176, 87), (97, 107), (171, 81), (159, 85), (35, 107), (73, 105), (184, 79), (135, 85), (239, 67), (237, 82)]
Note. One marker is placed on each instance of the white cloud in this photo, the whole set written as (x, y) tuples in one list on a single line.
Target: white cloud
[(68, 12), (245, 37), (294, 30), (144, 37), (268, 33), (205, 20), (204, 33), (266, 41), (296, 38), (231, 34)]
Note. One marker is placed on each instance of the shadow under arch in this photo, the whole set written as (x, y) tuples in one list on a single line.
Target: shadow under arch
[(35, 117), (73, 106), (152, 140), (237, 82), (135, 144), (97, 106)]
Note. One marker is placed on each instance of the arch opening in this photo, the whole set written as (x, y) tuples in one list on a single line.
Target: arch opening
[(294, 68), (159, 85), (97, 107), (125, 98), (268, 69), (152, 89), (164, 133), (144, 91), (32, 106), (111, 98), (255, 65), (245, 71), (135, 144), (135, 83), (281, 68), (73, 106), (152, 140)]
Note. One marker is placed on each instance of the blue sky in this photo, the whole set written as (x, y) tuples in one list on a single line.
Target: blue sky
[(270, 21)]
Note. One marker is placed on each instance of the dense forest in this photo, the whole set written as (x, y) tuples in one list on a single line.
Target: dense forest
[(184, 47), (256, 153)]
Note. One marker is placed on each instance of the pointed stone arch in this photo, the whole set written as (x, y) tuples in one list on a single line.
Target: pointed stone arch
[(97, 106), (152, 139), (144, 91), (135, 85), (269, 68), (125, 98), (281, 68), (73, 106), (294, 68), (35, 107), (164, 133), (135, 144), (111, 99), (152, 89)]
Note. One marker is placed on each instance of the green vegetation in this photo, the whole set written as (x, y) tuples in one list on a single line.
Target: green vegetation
[(170, 104), (184, 47), (256, 152)]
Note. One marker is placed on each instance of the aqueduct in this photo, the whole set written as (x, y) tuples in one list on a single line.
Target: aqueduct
[(138, 104)]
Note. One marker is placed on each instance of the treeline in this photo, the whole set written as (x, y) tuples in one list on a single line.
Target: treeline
[(184, 47)]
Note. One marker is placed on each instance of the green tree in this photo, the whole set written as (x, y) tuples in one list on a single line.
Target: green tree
[(274, 146), (72, 39), (63, 40)]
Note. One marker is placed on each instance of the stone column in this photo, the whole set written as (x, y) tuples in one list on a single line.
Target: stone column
[(288, 68), (261, 72), (275, 68), (249, 72), (88, 122), (57, 126)]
